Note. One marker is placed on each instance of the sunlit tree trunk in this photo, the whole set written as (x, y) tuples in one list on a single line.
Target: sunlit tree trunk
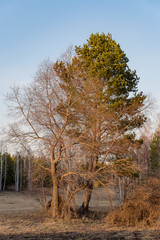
[(17, 174), (21, 174), (54, 204)]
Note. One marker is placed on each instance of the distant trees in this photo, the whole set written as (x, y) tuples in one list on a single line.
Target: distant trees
[(81, 113), (15, 172), (23, 168), (6, 171)]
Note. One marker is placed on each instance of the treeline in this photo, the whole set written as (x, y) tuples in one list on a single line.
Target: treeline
[(15, 172), (18, 172)]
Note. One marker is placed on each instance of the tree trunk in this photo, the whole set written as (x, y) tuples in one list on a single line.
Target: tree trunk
[(54, 204), (1, 172), (29, 173), (5, 171), (74, 205), (17, 174), (89, 187), (21, 174), (87, 197)]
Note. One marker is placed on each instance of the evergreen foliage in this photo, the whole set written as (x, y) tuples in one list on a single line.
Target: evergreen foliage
[(109, 106)]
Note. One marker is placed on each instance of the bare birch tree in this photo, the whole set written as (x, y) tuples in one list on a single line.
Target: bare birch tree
[(17, 173), (42, 115)]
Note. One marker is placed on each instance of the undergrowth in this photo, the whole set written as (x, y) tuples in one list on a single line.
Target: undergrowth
[(140, 209)]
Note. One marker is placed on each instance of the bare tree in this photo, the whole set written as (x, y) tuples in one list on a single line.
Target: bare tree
[(42, 116)]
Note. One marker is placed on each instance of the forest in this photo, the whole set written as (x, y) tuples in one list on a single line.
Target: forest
[(80, 125)]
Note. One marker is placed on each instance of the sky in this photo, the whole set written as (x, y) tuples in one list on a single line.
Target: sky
[(34, 30)]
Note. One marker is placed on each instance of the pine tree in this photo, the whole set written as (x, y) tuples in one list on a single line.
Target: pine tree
[(109, 106)]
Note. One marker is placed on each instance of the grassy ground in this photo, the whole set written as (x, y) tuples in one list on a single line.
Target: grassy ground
[(21, 218), (40, 226)]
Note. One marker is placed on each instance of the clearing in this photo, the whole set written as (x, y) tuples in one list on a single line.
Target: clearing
[(21, 217)]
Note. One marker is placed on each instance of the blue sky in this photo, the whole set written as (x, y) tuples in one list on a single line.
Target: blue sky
[(33, 30)]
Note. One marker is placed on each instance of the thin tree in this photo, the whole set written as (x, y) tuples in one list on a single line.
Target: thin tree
[(17, 172), (5, 171)]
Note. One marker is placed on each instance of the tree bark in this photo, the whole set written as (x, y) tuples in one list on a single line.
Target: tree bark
[(29, 173), (87, 197), (17, 174), (54, 204), (21, 175), (5, 171), (89, 186)]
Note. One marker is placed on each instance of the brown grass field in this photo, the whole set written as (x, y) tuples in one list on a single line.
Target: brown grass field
[(21, 217)]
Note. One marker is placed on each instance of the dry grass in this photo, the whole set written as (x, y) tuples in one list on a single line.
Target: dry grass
[(41, 226), (20, 223), (140, 209)]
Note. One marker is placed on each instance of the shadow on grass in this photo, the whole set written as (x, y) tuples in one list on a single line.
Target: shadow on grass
[(110, 235)]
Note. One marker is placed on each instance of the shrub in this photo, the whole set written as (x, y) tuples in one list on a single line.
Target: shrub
[(140, 209)]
